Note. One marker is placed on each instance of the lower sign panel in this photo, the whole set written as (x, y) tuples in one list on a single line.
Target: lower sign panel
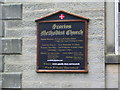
[(62, 46)]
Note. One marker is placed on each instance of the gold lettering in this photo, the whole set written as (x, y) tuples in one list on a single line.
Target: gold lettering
[(71, 32), (64, 26)]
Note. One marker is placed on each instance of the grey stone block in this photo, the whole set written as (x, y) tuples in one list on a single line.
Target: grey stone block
[(80, 5), (12, 11), (22, 32), (0, 85), (11, 46), (17, 59), (1, 63), (112, 59), (37, 6), (110, 29), (0, 81), (19, 67), (0, 46), (96, 27), (13, 24), (0, 11), (1, 29), (11, 80)]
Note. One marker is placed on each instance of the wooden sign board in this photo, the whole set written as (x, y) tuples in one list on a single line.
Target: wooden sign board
[(62, 43)]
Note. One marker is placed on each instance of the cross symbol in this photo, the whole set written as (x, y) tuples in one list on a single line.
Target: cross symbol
[(61, 16)]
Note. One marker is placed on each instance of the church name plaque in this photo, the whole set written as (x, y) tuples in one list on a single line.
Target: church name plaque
[(62, 44)]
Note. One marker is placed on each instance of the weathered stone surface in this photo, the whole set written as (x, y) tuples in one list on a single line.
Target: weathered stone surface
[(64, 80), (13, 24), (1, 28), (0, 46), (96, 77), (11, 46), (12, 11), (1, 63), (60, 6), (36, 10), (37, 6), (112, 76), (81, 5), (0, 80), (19, 67), (22, 32), (0, 11), (110, 29), (96, 27), (1, 24), (52, 84), (11, 80), (112, 59), (46, 1)]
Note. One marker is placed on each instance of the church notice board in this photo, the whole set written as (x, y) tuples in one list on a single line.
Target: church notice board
[(62, 43)]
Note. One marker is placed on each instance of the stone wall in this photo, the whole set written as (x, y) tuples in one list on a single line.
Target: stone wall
[(19, 46), (20, 32), (1, 57)]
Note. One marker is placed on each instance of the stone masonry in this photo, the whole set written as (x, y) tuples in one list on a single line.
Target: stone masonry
[(18, 42), (26, 61), (1, 57), (9, 46)]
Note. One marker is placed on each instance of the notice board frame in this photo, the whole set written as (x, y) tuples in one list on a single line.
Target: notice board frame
[(86, 45)]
